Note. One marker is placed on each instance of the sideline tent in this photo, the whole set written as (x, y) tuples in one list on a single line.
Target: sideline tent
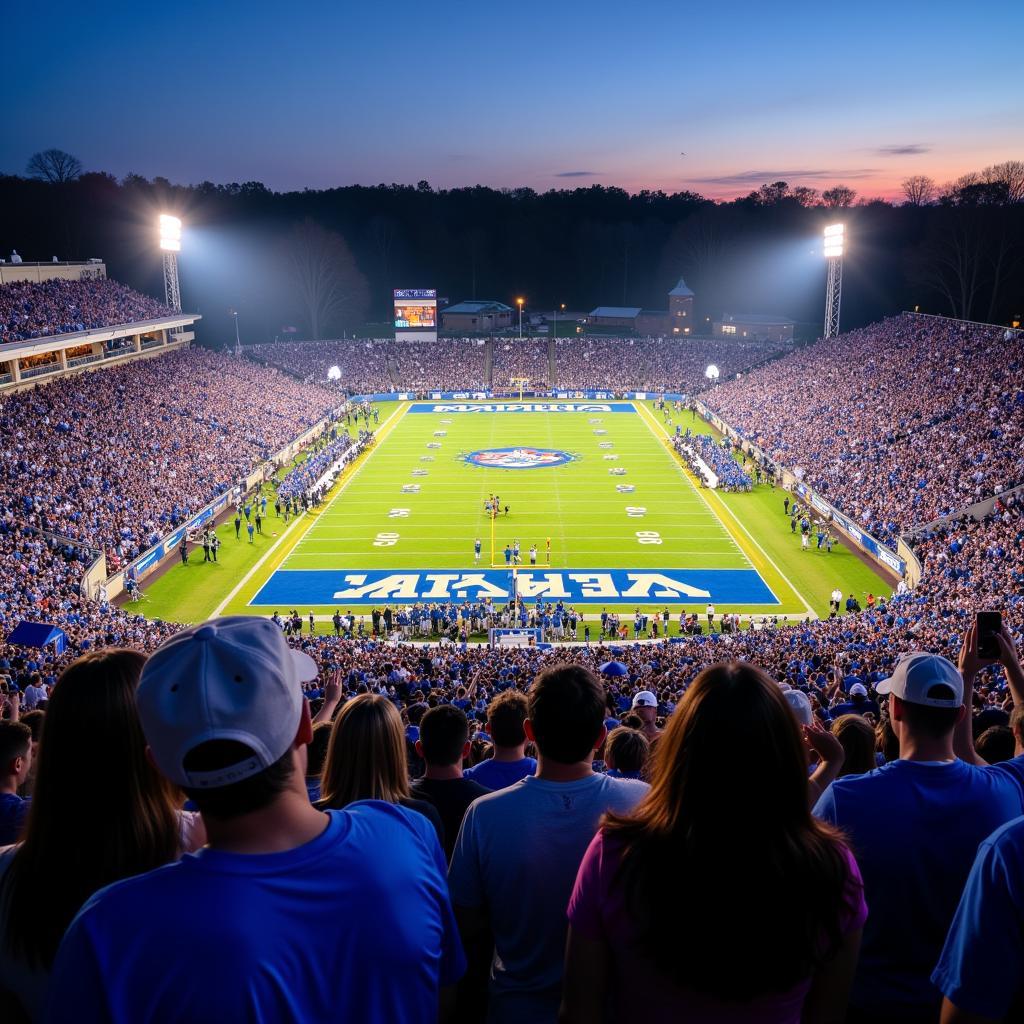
[(39, 634)]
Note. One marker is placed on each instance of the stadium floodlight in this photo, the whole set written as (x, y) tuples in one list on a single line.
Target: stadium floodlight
[(834, 245), (519, 303), (334, 373), (170, 243), (711, 372)]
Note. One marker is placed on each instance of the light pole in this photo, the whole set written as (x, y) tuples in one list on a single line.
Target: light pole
[(519, 303), (238, 343), (555, 335), (835, 243), (170, 243)]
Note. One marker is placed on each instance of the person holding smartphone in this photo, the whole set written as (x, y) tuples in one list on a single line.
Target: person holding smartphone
[(898, 819)]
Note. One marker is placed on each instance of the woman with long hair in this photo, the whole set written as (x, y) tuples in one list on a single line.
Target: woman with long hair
[(366, 759), (100, 812), (720, 897)]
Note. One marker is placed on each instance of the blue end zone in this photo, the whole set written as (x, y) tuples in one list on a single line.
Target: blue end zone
[(300, 587), (485, 407)]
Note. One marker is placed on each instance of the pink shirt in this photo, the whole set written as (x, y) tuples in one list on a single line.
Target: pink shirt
[(597, 911)]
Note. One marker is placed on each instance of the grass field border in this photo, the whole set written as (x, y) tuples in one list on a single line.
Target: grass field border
[(757, 556), (279, 551)]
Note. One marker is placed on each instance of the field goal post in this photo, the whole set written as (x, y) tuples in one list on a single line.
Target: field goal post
[(522, 383)]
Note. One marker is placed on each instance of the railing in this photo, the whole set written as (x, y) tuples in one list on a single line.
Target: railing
[(151, 343), (38, 371), (82, 360), (969, 323)]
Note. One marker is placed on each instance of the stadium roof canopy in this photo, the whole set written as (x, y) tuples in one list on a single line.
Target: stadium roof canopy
[(681, 290), (483, 306), (623, 312)]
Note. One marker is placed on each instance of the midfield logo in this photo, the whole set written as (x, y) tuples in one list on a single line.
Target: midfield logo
[(517, 458)]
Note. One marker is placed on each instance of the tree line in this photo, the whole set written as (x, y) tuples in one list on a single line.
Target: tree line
[(325, 261)]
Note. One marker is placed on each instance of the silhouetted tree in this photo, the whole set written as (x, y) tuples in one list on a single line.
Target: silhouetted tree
[(838, 197), (54, 166), (919, 189), (332, 288)]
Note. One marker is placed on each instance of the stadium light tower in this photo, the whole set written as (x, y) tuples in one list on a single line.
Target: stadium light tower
[(835, 243), (170, 243), (519, 303)]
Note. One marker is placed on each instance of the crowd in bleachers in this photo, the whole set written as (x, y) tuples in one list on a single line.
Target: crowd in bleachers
[(897, 423), (449, 364), (115, 459), (363, 362), (653, 364), (30, 309), (445, 830), (521, 359)]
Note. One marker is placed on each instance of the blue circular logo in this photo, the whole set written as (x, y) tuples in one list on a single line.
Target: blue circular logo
[(518, 458)]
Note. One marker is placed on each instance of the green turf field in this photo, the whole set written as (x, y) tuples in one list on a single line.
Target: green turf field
[(374, 533)]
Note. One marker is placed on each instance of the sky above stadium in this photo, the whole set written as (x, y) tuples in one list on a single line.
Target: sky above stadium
[(543, 94)]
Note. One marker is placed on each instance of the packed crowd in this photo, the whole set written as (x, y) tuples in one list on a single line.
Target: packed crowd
[(449, 364), (115, 459), (896, 424), (652, 364), (31, 309), (497, 843), (521, 359), (363, 363)]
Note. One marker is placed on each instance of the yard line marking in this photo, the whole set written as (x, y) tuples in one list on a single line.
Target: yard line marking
[(649, 419), (380, 433)]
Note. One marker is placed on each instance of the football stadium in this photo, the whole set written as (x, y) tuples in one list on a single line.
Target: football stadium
[(624, 624)]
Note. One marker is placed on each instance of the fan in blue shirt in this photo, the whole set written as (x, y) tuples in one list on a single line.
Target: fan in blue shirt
[(898, 819), (290, 914)]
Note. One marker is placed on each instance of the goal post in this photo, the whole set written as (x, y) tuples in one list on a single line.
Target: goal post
[(522, 383)]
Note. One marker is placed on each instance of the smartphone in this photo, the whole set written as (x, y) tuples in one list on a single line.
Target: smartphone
[(990, 625)]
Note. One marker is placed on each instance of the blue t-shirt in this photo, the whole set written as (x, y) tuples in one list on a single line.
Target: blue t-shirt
[(915, 828), (981, 969), (355, 925), (13, 812), (501, 774)]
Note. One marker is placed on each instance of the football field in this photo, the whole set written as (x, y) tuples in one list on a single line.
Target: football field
[(616, 520)]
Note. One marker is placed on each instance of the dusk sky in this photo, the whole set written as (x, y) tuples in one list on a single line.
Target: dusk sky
[(545, 94)]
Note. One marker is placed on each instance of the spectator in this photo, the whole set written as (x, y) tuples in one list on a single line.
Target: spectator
[(443, 745), (289, 913), (366, 760), (857, 737), (645, 707), (763, 917), (981, 969), (519, 848), (625, 753), (15, 764), (130, 827), (897, 818), (996, 744), (506, 716), (858, 704), (316, 755)]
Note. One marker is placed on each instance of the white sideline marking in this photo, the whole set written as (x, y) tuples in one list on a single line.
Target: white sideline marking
[(288, 529)]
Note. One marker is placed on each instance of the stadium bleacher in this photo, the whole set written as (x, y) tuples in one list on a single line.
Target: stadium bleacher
[(898, 424)]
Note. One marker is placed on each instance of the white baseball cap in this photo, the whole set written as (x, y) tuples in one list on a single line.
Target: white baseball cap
[(858, 690), (645, 699), (917, 673), (234, 678), (801, 705)]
